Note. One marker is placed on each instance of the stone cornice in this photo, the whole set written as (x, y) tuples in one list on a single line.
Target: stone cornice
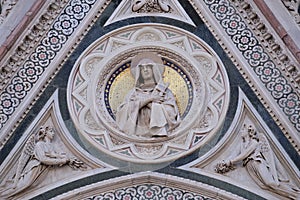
[(276, 47), (247, 71), (39, 86), (21, 43)]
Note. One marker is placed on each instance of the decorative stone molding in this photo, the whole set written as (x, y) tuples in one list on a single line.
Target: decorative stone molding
[(148, 185), (48, 46), (101, 79), (29, 171), (211, 164), (12, 64), (267, 37), (231, 22), (163, 8)]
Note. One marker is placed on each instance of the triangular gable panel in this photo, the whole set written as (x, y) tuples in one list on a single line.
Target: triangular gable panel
[(256, 44), (25, 166), (125, 11), (235, 145)]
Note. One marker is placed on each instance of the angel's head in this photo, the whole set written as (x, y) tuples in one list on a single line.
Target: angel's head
[(45, 132), (49, 132), (252, 132)]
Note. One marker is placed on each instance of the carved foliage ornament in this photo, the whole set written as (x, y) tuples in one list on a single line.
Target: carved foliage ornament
[(188, 80), (146, 6)]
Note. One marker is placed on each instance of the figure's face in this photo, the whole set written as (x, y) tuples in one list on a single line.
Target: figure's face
[(146, 71), (50, 133), (251, 131)]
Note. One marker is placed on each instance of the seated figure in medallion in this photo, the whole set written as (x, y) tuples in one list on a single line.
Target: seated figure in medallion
[(149, 109)]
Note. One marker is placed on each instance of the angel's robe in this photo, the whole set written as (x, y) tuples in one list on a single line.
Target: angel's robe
[(264, 168), (43, 156)]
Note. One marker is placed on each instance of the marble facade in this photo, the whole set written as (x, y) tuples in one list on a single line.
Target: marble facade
[(66, 65)]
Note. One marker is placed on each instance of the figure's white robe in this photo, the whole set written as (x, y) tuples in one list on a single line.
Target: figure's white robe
[(153, 119)]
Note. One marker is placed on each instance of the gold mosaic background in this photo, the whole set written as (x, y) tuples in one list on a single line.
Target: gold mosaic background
[(124, 82)]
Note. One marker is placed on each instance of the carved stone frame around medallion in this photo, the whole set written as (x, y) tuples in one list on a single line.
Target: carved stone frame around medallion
[(196, 60), (164, 53)]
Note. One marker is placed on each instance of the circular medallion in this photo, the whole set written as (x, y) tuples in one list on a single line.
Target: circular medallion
[(148, 93)]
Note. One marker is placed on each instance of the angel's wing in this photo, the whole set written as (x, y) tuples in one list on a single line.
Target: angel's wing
[(264, 144), (25, 156), (268, 154)]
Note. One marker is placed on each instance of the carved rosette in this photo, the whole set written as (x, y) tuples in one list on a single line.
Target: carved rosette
[(101, 79)]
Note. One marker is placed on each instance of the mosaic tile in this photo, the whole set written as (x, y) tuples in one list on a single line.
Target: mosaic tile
[(149, 192), (39, 60), (257, 58)]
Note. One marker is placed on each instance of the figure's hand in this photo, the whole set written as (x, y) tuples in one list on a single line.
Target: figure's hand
[(156, 98), (224, 167), (74, 163), (152, 99), (228, 163)]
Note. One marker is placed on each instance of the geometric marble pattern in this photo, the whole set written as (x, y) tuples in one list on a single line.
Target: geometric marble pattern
[(233, 24), (149, 192), (34, 67), (261, 63), (196, 179)]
